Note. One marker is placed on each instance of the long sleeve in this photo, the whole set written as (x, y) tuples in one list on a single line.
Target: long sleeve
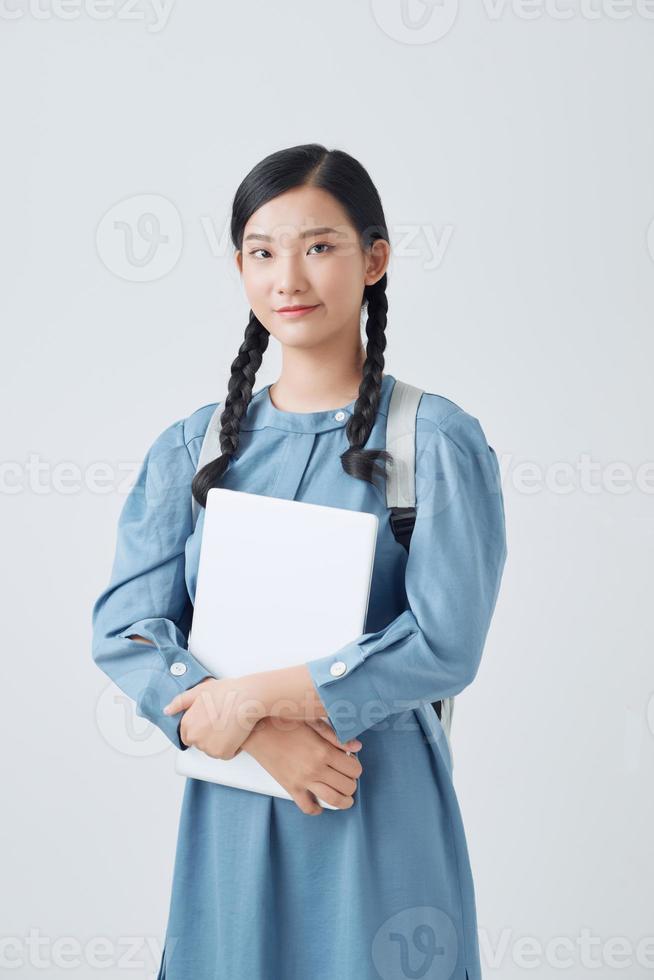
[(147, 593), (432, 650)]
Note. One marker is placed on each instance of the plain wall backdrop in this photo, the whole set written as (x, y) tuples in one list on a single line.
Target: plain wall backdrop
[(513, 148)]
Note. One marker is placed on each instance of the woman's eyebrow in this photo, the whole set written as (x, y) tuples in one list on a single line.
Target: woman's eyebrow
[(304, 234)]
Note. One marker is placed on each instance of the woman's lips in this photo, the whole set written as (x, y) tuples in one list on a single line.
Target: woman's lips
[(301, 311)]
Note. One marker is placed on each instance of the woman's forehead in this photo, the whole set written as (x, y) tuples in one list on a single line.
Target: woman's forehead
[(299, 214)]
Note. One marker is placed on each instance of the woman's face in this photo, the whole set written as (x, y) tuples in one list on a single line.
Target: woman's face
[(300, 249)]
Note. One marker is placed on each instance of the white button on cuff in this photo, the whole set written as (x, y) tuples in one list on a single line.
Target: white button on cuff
[(339, 416), (178, 668), (338, 669)]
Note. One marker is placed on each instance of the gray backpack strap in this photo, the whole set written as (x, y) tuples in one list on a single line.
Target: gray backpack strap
[(401, 442), (401, 488), (209, 451)]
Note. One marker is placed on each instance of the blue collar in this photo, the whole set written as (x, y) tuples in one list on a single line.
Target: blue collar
[(261, 413)]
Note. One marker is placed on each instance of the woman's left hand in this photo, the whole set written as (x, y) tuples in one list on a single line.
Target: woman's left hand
[(219, 715)]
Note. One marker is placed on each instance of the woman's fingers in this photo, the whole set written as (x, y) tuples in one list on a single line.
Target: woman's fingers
[(327, 793), (307, 802), (326, 731)]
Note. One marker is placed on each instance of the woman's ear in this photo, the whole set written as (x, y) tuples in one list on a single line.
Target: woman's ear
[(378, 257)]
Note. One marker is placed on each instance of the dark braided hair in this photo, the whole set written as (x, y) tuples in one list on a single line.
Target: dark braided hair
[(345, 179)]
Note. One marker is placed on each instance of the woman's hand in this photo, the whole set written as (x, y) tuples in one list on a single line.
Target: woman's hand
[(307, 758), (219, 714)]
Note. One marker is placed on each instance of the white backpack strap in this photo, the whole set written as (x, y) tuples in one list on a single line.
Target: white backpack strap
[(401, 482), (209, 451), (447, 710), (401, 442)]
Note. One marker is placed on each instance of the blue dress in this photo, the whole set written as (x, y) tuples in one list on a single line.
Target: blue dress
[(262, 891)]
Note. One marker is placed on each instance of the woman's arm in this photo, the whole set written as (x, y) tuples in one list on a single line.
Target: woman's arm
[(140, 621), (288, 692)]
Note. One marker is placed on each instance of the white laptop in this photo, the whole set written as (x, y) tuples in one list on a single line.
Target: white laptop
[(280, 582)]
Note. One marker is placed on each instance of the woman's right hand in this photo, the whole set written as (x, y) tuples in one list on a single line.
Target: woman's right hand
[(307, 758)]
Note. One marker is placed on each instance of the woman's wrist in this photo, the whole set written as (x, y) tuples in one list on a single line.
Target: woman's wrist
[(254, 693), (288, 692), (258, 730)]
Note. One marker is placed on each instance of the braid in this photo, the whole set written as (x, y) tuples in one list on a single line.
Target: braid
[(241, 383), (357, 462)]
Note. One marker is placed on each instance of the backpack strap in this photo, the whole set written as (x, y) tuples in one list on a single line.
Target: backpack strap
[(401, 486), (209, 451), (401, 442)]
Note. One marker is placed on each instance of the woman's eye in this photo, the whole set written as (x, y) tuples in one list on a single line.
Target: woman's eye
[(324, 245)]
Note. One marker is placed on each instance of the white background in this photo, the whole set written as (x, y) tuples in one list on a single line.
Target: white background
[(520, 141)]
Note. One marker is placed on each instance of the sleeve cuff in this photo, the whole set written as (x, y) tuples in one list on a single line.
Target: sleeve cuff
[(177, 672), (346, 690), (161, 689)]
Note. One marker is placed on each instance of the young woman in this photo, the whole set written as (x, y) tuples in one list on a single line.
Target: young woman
[(380, 886)]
